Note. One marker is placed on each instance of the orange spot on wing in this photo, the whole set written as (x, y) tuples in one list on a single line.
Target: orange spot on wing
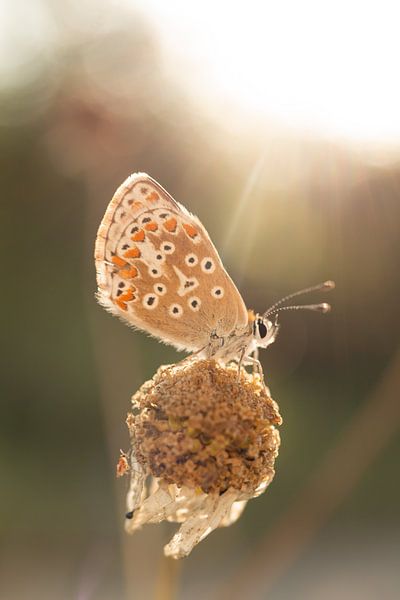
[(137, 204), (139, 236), (120, 262), (151, 226), (132, 253), (128, 273), (190, 230), (153, 197), (127, 296), (122, 305), (170, 225)]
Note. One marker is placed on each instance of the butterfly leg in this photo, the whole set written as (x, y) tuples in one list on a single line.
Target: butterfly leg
[(257, 366), (240, 362), (256, 363)]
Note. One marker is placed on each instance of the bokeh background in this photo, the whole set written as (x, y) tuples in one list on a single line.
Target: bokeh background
[(278, 125)]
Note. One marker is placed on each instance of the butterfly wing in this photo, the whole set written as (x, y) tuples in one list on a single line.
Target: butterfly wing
[(158, 270)]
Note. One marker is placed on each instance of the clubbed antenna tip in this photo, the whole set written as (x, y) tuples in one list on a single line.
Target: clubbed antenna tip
[(324, 307)]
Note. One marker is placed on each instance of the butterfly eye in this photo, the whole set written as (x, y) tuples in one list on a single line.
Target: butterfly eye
[(262, 329)]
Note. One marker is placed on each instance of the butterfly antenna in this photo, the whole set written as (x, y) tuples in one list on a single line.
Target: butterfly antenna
[(322, 308), (325, 286)]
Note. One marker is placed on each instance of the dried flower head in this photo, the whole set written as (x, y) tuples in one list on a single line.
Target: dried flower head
[(208, 438)]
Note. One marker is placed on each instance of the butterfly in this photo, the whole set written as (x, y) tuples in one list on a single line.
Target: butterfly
[(158, 270)]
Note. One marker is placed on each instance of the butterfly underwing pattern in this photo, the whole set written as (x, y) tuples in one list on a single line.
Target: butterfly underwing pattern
[(158, 270)]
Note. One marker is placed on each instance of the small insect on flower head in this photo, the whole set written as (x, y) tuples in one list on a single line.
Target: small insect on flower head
[(122, 465)]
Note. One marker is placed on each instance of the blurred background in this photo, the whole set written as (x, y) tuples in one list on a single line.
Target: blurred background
[(278, 124)]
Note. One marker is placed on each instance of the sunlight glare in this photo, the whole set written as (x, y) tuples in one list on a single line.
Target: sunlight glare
[(331, 67)]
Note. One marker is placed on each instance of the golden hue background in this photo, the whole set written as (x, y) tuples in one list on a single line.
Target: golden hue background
[(89, 94)]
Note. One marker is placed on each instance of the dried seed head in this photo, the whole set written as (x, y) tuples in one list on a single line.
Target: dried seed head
[(197, 424)]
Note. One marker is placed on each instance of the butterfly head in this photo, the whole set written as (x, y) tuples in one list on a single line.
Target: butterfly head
[(264, 331)]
